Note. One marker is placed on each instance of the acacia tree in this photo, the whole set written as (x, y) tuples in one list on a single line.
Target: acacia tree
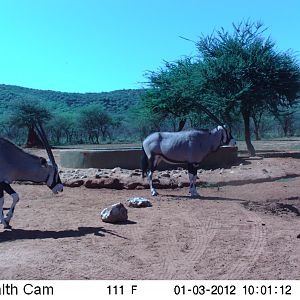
[(247, 73), (25, 114), (95, 122), (178, 91), (170, 91)]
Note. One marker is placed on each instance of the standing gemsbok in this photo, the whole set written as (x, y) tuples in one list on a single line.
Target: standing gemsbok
[(184, 147), (18, 165)]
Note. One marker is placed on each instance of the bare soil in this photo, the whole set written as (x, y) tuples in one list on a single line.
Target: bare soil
[(246, 225)]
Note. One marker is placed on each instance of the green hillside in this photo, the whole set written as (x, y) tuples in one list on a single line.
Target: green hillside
[(115, 102), (119, 119)]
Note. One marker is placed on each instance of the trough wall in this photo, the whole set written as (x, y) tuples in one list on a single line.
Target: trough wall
[(131, 159)]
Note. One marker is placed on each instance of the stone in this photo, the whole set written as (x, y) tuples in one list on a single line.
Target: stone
[(73, 183), (138, 202), (94, 183), (132, 185), (109, 183), (135, 174), (165, 175), (114, 214)]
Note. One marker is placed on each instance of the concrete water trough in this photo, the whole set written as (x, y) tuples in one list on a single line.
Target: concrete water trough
[(130, 158)]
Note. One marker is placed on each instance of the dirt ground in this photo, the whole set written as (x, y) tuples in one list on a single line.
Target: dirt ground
[(238, 229)]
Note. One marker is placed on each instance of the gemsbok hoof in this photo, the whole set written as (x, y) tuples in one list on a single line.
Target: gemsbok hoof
[(7, 226), (195, 195)]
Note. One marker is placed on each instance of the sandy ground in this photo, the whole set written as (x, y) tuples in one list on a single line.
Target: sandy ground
[(243, 229)]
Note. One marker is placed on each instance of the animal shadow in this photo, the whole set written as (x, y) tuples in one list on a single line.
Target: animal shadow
[(24, 234)]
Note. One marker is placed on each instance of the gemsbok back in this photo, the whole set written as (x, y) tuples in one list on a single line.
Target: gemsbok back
[(18, 165), (184, 147)]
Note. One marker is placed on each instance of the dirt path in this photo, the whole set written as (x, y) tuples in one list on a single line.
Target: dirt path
[(241, 231)]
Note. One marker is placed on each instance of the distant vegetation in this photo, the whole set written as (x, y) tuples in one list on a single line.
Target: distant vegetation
[(71, 115), (129, 120), (240, 77)]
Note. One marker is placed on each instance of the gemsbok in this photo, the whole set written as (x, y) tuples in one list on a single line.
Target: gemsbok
[(184, 147), (18, 165)]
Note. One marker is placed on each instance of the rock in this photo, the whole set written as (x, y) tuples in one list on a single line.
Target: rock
[(298, 236), (140, 187), (98, 175), (114, 214), (132, 185), (117, 169), (113, 183), (73, 183), (165, 175), (94, 183), (135, 174), (109, 183), (138, 202)]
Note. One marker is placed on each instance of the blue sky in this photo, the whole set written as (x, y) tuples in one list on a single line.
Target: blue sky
[(104, 45)]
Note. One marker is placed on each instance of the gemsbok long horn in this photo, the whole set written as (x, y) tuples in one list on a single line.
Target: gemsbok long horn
[(211, 115), (43, 136)]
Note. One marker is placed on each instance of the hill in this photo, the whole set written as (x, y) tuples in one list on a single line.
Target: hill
[(115, 102)]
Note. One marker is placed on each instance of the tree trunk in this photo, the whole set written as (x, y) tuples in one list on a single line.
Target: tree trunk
[(256, 128), (256, 132), (33, 140), (246, 117), (181, 124)]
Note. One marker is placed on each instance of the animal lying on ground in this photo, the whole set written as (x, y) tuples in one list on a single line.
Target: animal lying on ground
[(184, 147), (18, 165)]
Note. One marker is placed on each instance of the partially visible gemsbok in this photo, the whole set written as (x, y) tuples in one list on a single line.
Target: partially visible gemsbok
[(18, 165)]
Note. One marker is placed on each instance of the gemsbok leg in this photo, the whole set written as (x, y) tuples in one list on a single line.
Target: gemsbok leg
[(5, 187), (153, 162), (192, 169)]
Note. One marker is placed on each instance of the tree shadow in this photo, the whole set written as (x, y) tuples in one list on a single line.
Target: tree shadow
[(222, 199), (187, 197), (24, 234), (291, 208), (279, 154)]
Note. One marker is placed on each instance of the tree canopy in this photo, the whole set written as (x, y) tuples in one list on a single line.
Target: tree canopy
[(26, 113), (235, 74), (95, 121), (245, 70)]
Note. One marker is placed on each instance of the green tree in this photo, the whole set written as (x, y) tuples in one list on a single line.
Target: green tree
[(171, 91), (143, 120), (70, 126), (95, 122), (61, 125), (245, 71), (25, 114)]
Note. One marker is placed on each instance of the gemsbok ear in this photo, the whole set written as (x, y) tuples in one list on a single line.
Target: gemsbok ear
[(43, 162)]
